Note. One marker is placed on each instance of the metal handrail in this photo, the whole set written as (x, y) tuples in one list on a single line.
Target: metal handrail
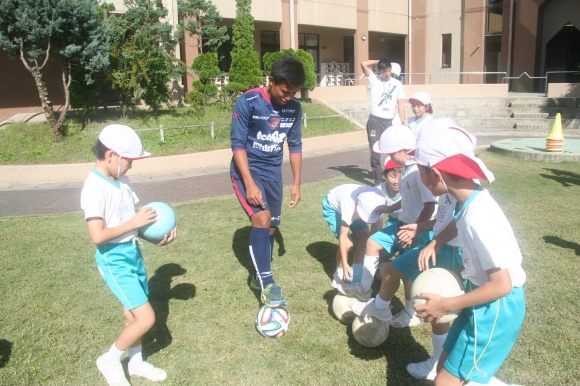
[(539, 77)]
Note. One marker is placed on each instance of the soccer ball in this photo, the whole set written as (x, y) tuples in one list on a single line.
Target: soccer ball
[(272, 322), (370, 331), (438, 281), (341, 307), (155, 231)]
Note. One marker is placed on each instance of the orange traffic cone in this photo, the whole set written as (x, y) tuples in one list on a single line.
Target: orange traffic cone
[(555, 140)]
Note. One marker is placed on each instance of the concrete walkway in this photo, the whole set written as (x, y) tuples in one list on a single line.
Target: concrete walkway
[(334, 157)]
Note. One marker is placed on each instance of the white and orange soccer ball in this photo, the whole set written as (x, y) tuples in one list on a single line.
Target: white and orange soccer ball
[(272, 322)]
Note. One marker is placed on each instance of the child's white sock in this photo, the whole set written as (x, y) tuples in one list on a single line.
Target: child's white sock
[(135, 355), (437, 341), (492, 382), (381, 304), (409, 307), (114, 354), (368, 274), (339, 272)]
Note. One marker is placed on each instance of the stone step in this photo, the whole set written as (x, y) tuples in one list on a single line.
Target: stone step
[(529, 115)]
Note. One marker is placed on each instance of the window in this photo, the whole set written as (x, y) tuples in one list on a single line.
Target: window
[(446, 51), (309, 43), (269, 42), (494, 17)]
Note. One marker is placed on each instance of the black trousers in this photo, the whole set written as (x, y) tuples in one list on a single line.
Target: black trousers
[(375, 127)]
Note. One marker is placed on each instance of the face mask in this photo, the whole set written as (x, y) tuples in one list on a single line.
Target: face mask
[(119, 169)]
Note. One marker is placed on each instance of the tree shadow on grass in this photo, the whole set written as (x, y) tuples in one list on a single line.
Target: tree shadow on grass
[(354, 172), (160, 293), (5, 352), (555, 240), (240, 246), (565, 178)]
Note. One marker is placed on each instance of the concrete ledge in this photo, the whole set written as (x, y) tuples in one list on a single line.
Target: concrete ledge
[(533, 149), (64, 173)]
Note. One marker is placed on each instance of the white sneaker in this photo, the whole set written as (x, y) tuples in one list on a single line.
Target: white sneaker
[(148, 371), (423, 370), (354, 290), (113, 373), (403, 319), (368, 308)]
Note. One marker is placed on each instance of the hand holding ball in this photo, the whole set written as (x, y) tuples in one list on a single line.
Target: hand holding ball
[(441, 282), (165, 223)]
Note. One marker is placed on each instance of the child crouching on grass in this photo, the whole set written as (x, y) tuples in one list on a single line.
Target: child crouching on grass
[(351, 207), (109, 202), (493, 306)]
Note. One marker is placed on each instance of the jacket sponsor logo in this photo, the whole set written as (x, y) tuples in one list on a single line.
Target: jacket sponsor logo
[(267, 148), (285, 125), (288, 110), (275, 137), (274, 123), (260, 117)]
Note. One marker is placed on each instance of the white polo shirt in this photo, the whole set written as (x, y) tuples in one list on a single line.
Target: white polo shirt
[(385, 96), (413, 195), (343, 200), (444, 216), (487, 241), (416, 125), (390, 200), (113, 202)]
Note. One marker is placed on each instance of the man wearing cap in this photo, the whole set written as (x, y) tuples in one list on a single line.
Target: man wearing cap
[(387, 101)]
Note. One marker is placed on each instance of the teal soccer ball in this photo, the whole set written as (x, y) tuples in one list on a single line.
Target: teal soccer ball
[(164, 224)]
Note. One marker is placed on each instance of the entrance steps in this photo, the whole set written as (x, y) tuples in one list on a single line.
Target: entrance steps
[(529, 113)]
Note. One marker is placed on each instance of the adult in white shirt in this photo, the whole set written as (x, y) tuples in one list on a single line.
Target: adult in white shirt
[(387, 101)]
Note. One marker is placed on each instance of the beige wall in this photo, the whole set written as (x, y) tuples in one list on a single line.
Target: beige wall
[(473, 40), (444, 18), (459, 90), (563, 90), (389, 16), (335, 13), (262, 10), (347, 93)]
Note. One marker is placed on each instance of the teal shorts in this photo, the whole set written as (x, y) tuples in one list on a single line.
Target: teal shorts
[(123, 269), (408, 263), (388, 240), (498, 325), (334, 220)]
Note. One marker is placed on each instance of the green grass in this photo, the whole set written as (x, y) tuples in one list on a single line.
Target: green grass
[(58, 316), (22, 143)]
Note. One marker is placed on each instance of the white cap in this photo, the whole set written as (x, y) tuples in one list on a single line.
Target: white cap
[(394, 139), (123, 141), (395, 69), (447, 147), (367, 202), (422, 98)]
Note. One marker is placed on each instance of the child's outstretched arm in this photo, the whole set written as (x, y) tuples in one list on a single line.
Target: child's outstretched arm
[(407, 233), (430, 251), (498, 286), (100, 235), (388, 208)]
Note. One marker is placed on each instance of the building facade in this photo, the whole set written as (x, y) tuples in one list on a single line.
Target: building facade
[(434, 41)]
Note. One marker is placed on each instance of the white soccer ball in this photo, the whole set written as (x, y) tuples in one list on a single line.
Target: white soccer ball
[(341, 306), (272, 322), (441, 282), (370, 331)]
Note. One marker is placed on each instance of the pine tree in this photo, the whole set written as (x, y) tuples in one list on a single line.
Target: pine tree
[(70, 30)]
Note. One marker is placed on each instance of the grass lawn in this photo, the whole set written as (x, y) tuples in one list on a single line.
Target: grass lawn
[(33, 143), (57, 316)]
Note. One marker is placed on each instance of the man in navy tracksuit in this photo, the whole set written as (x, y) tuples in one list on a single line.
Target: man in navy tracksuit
[(263, 118)]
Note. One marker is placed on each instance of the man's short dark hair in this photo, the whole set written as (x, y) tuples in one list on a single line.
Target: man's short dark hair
[(288, 70), (99, 150), (384, 64)]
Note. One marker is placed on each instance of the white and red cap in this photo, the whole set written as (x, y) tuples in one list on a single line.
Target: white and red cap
[(422, 98), (447, 147), (394, 139), (390, 164), (367, 203), (123, 141), (395, 69)]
